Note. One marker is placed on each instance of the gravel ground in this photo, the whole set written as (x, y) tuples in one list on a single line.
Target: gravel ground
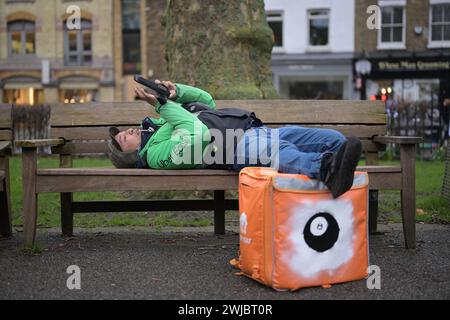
[(192, 263)]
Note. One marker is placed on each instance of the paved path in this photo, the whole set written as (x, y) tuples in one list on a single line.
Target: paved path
[(138, 263)]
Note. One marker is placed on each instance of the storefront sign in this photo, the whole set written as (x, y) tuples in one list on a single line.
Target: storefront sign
[(419, 65)]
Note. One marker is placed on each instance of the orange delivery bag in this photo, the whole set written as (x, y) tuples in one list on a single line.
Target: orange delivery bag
[(293, 234)]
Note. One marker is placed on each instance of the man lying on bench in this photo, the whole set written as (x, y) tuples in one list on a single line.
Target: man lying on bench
[(191, 133)]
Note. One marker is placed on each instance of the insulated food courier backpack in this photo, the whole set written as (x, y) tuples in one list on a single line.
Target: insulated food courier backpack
[(293, 234)]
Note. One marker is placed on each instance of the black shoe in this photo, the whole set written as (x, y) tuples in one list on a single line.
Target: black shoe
[(338, 169)]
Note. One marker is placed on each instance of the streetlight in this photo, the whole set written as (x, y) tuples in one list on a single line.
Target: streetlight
[(363, 68)]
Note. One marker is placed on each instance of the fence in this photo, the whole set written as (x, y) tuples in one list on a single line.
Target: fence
[(419, 118)]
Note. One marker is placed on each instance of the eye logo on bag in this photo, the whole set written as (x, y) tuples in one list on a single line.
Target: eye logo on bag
[(322, 237), (321, 232)]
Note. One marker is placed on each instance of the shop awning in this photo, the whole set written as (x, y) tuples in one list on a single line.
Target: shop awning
[(19, 85), (75, 86)]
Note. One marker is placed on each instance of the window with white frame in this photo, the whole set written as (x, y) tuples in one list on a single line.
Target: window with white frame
[(319, 21), (392, 32), (440, 23), (275, 21)]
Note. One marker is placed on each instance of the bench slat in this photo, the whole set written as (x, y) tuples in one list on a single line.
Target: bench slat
[(132, 172), (372, 169), (385, 180), (270, 112), (100, 113), (101, 147), (360, 131), (399, 140), (34, 143), (95, 183), (85, 133), (313, 111), (101, 132), (77, 180), (74, 148), (99, 171)]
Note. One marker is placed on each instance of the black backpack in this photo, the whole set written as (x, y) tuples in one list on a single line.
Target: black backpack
[(221, 120)]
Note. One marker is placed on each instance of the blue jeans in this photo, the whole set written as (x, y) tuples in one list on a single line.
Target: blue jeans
[(291, 149)]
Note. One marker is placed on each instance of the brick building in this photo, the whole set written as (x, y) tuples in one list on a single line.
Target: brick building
[(407, 61), (44, 60), (313, 51)]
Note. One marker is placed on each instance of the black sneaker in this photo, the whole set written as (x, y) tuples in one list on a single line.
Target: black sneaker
[(338, 169)]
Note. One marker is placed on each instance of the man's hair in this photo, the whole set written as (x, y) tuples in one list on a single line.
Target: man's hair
[(119, 158)]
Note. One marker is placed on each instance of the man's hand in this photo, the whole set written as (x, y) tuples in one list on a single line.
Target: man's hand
[(170, 86), (143, 95)]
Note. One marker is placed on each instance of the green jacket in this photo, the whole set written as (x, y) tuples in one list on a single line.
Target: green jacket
[(175, 144)]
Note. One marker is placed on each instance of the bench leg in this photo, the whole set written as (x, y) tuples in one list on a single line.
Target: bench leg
[(5, 213), (373, 211), (408, 193), (29, 166), (5, 201), (65, 161), (66, 214), (219, 212)]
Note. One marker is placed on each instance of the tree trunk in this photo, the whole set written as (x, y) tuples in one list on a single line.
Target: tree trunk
[(222, 46)]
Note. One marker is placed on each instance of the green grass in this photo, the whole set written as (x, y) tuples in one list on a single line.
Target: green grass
[(431, 207), (429, 174), (49, 206)]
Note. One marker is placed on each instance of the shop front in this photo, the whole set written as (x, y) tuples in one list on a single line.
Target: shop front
[(22, 91), (414, 87), (77, 89), (313, 76)]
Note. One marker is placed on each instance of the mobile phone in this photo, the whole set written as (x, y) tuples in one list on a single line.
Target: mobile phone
[(159, 88)]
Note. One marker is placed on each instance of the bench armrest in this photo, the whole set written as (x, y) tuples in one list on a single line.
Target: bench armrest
[(397, 139), (39, 143), (4, 146)]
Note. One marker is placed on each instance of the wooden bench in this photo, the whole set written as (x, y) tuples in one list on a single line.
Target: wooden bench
[(5, 149), (81, 130)]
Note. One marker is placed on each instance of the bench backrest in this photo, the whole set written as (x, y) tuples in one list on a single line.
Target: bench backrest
[(89, 122), (5, 122)]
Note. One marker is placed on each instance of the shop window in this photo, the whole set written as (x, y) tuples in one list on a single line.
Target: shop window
[(275, 21), (316, 90), (23, 96), (440, 23), (131, 52), (391, 34), (78, 45), (318, 27), (21, 38), (77, 95), (131, 35)]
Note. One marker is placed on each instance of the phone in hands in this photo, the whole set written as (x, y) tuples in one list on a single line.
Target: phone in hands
[(159, 88)]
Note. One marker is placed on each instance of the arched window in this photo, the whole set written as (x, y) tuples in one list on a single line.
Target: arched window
[(21, 37), (78, 44)]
